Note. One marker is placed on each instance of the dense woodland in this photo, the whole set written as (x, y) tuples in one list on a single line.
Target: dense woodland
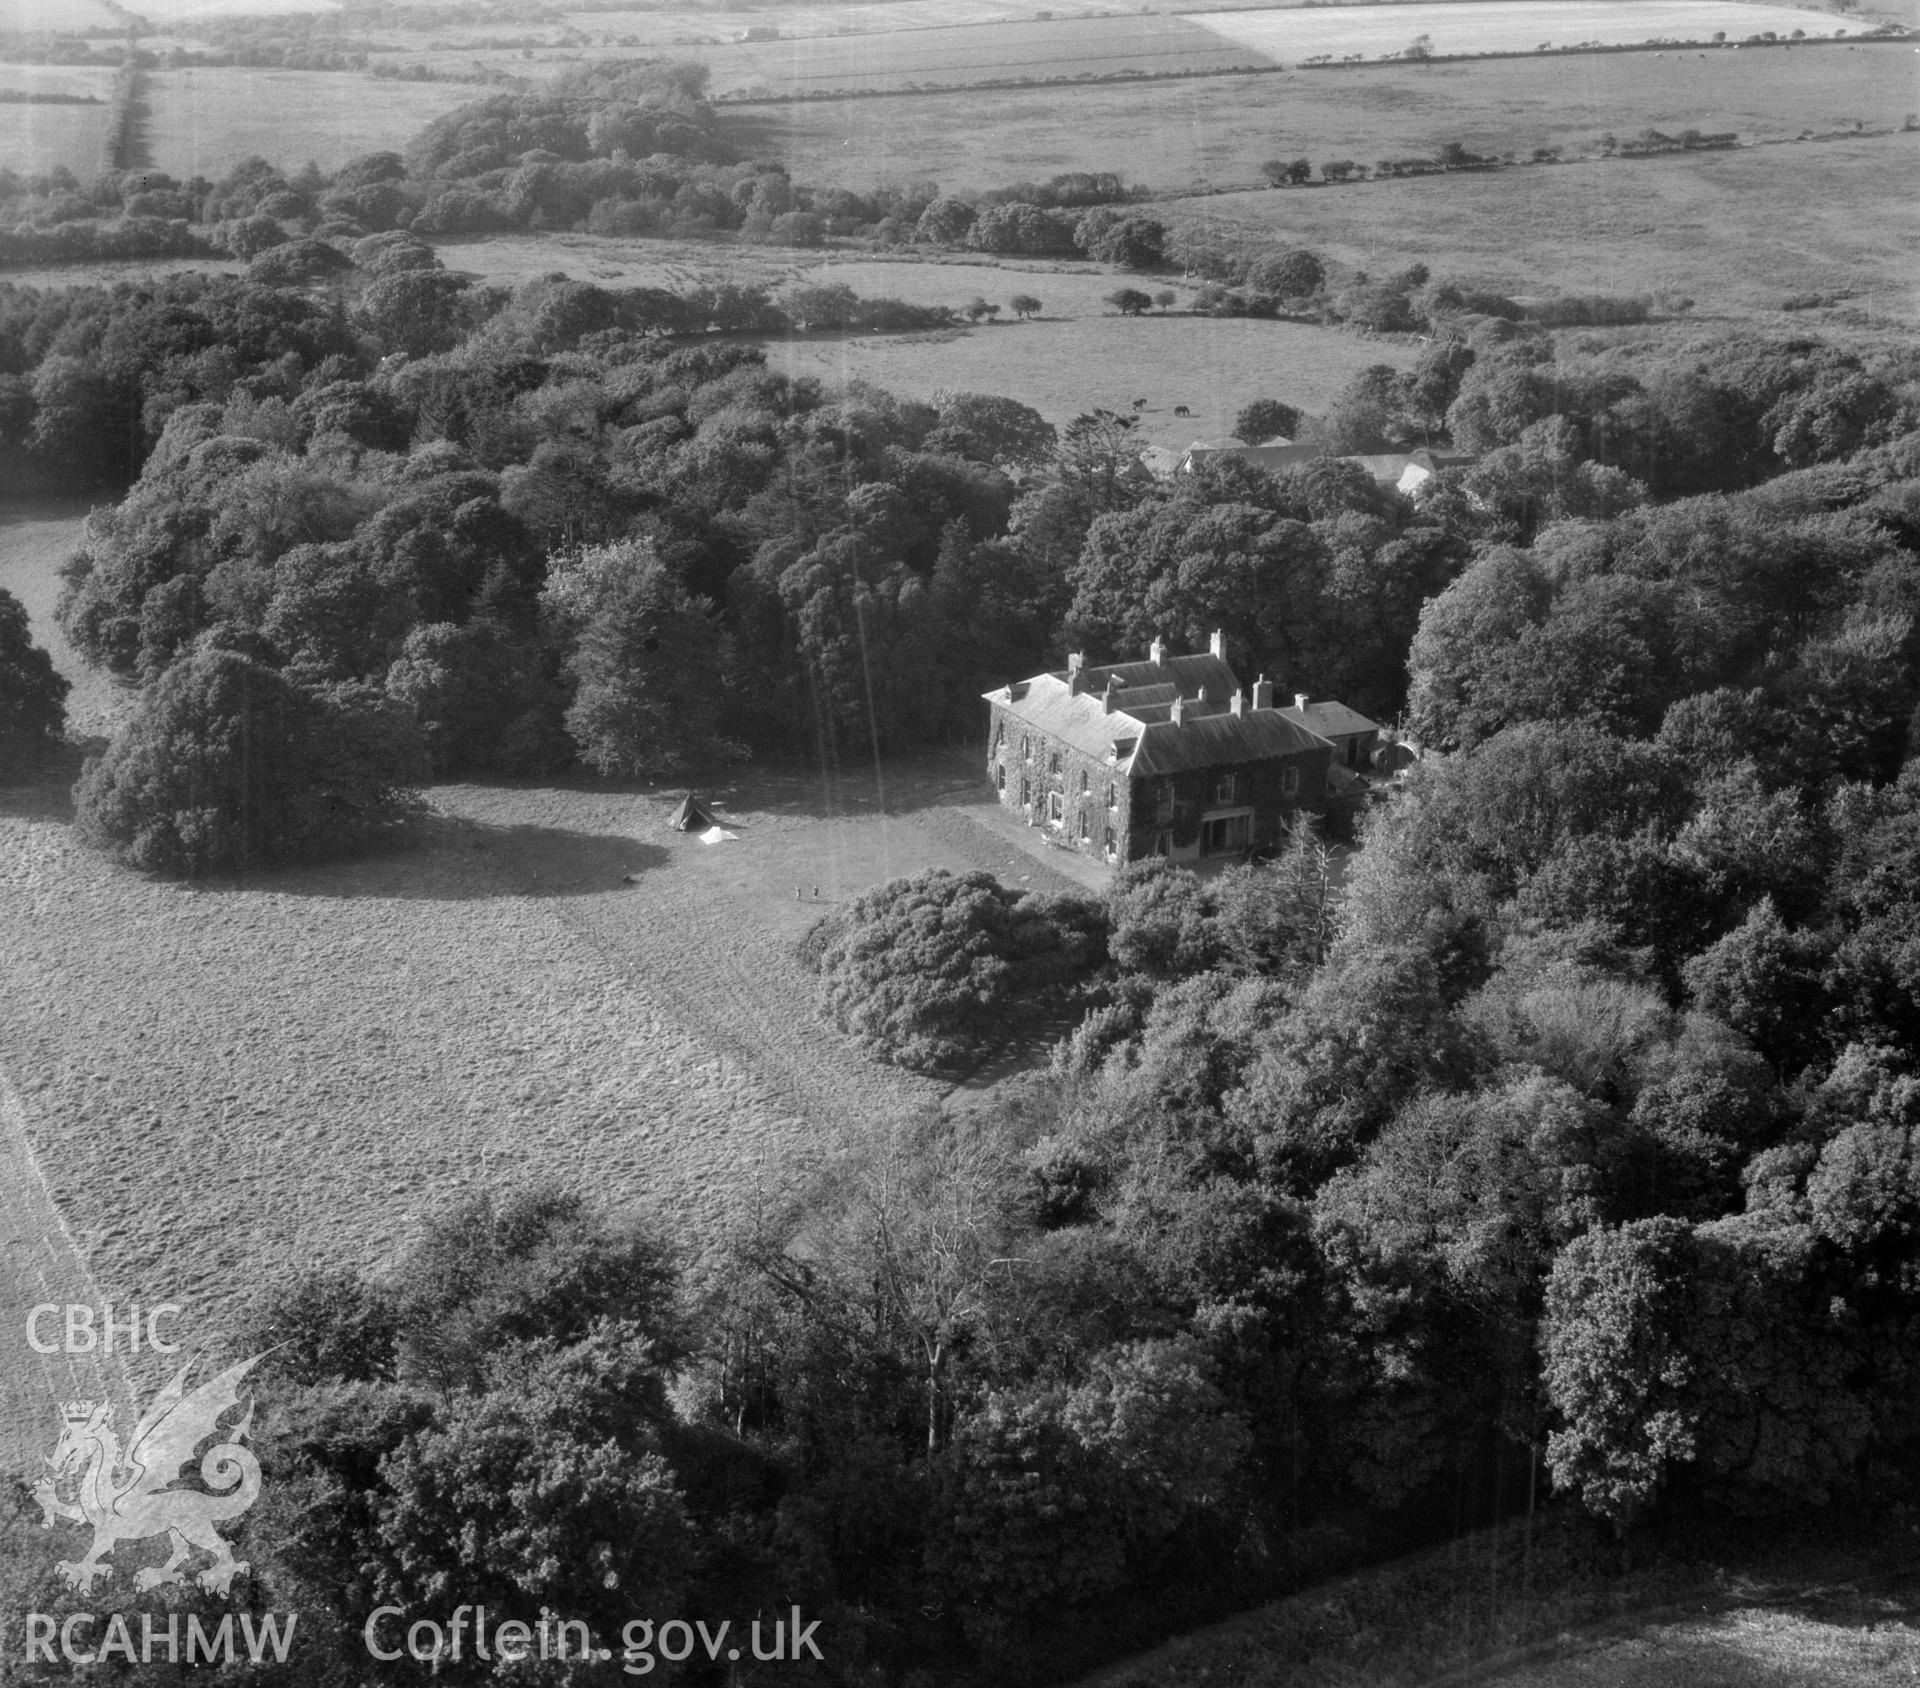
[(1568, 1156)]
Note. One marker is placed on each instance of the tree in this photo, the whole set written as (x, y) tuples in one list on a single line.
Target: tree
[(993, 430), (645, 657), (33, 694), (1165, 298), (1111, 237), (1024, 305), (1287, 275), (227, 766), (1616, 1366), (1265, 419), (1130, 301), (979, 310), (923, 970)]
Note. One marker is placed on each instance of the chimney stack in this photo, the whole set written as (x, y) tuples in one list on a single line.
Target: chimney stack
[(1263, 693), (1157, 651), (1217, 645), (1301, 700), (1106, 699), (1238, 703), (1177, 711)]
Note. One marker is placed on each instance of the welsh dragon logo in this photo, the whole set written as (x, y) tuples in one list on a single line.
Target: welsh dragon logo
[(131, 1495)]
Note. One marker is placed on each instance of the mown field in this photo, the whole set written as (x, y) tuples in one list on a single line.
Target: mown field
[(204, 121), (1472, 26), (1217, 131), (226, 1081), (1736, 232), (1791, 1614)]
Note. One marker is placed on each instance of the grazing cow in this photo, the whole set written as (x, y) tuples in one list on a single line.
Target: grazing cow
[(1139, 404), (1181, 410)]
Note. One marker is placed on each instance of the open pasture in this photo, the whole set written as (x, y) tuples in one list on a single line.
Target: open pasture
[(957, 57), (1736, 231), (204, 121), (1216, 131), (1061, 368), (1476, 26)]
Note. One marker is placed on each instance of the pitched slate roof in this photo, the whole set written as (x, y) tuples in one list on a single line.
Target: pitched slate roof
[(1141, 737), (1218, 741), (1330, 720)]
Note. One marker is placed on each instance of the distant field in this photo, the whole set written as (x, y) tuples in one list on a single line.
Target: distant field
[(1217, 131), (41, 137), (1735, 231), (1097, 46), (1079, 355), (204, 121), (39, 15), (1064, 367), (722, 25), (1470, 26)]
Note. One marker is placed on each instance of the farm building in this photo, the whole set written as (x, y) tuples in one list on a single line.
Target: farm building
[(1169, 756)]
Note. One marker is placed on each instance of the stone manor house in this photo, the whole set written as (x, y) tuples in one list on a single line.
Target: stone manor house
[(1167, 757)]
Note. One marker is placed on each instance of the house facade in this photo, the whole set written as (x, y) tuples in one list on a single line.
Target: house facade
[(1168, 756)]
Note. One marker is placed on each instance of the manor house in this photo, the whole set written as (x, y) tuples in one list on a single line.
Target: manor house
[(1164, 757)]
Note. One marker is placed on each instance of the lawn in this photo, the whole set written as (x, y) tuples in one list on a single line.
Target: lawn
[(43, 137), (204, 121), (1737, 232), (1216, 131), (224, 1082), (1473, 26)]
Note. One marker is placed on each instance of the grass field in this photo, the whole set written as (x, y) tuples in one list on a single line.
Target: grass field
[(1472, 26), (1737, 232), (1094, 46), (44, 137), (1802, 1612), (1064, 367), (224, 1082), (1080, 354), (1218, 130), (204, 121)]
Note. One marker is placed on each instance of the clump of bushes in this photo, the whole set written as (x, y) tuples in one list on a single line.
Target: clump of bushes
[(926, 972)]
